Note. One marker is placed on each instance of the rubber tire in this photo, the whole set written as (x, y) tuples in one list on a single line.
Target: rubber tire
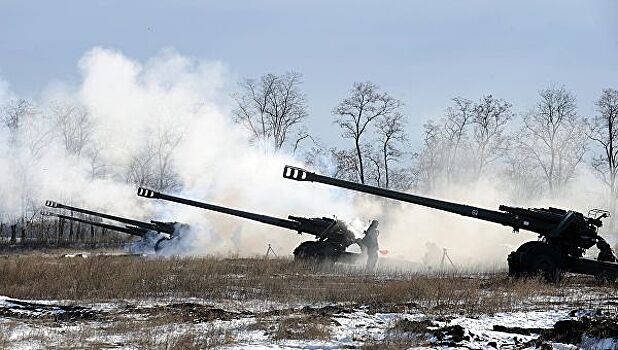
[(316, 250), (515, 259), (541, 258), (161, 244)]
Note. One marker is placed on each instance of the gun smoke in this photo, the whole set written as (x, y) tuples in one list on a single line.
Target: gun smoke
[(82, 143)]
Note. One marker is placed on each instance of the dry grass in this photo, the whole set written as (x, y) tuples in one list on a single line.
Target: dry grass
[(102, 278), (303, 328), (120, 334), (394, 344), (407, 326), (6, 329), (178, 324)]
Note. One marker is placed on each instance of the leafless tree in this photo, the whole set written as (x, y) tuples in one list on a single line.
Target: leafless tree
[(521, 171), (391, 138), (139, 169), (15, 111), (74, 125), (97, 166), (28, 127), (375, 166), (430, 161), (355, 113), (456, 122), (271, 107), (14, 114), (444, 154), (555, 136), (489, 118), (346, 164), (153, 165), (603, 130), (166, 143), (319, 159), (302, 135)]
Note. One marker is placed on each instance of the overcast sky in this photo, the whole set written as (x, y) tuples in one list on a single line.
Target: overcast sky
[(423, 52)]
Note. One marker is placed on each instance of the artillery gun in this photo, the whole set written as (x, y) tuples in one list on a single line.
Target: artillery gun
[(333, 236), (564, 235), (133, 231), (158, 232)]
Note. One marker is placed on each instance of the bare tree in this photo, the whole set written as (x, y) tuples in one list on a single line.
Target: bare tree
[(464, 141), (301, 136), (430, 161), (153, 165), (375, 166), (139, 169), (73, 124), (97, 166), (456, 122), (346, 164), (521, 171), (355, 113), (318, 158), (603, 130), (14, 114), (555, 136), (28, 128), (272, 107), (166, 177), (445, 146), (489, 118), (391, 137)]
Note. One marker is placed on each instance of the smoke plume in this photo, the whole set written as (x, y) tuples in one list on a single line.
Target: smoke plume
[(172, 111)]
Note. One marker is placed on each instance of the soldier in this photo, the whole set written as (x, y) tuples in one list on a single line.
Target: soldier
[(369, 244), (605, 251)]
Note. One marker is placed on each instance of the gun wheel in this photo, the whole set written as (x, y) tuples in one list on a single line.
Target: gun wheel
[(316, 250), (515, 259), (161, 244), (537, 258)]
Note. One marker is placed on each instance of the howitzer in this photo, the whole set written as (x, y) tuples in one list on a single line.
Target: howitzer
[(157, 226), (157, 231), (564, 235), (333, 236), (133, 231)]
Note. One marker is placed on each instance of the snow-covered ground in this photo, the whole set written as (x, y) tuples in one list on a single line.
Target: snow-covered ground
[(44, 324)]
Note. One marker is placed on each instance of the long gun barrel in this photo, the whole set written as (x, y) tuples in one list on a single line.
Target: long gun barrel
[(134, 231), (299, 174), (292, 224), (154, 225)]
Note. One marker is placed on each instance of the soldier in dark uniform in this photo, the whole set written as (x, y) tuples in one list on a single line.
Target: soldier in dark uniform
[(369, 244), (605, 251)]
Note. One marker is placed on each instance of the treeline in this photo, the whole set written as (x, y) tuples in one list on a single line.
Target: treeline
[(535, 153), (40, 230)]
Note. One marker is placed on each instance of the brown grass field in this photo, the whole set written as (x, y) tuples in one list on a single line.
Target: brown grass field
[(285, 299)]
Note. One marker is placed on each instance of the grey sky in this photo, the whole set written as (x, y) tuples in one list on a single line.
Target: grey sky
[(423, 52)]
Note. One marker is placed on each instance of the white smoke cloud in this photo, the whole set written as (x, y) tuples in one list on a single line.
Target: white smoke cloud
[(131, 103)]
